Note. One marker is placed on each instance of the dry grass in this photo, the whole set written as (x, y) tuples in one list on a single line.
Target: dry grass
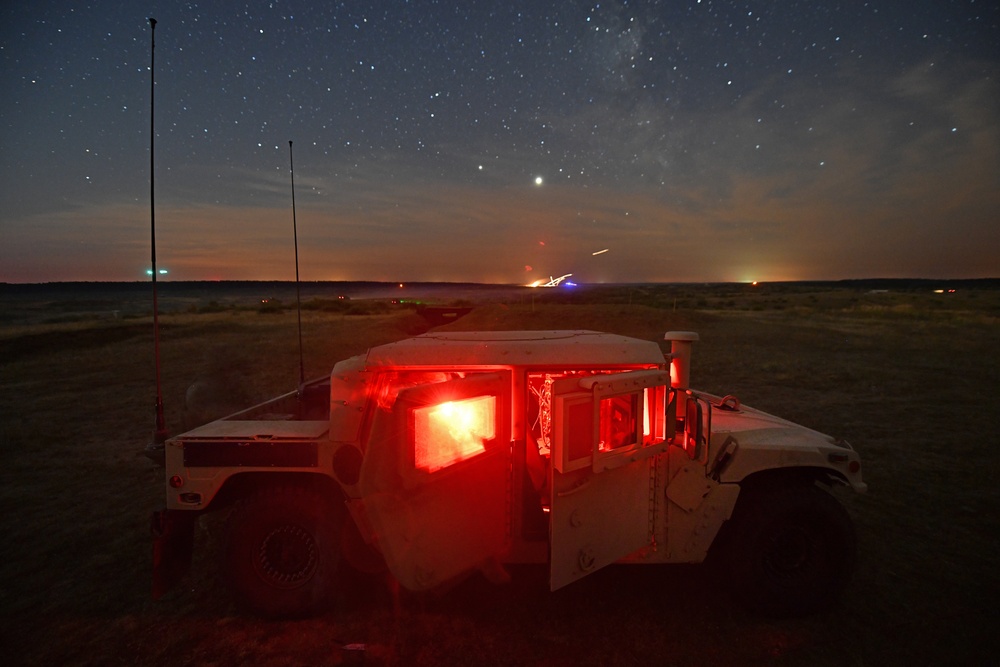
[(908, 379)]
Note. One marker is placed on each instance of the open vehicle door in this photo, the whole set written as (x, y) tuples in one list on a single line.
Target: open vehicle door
[(607, 429), (435, 495)]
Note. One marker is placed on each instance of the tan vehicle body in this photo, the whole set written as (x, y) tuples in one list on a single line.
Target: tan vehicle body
[(457, 452)]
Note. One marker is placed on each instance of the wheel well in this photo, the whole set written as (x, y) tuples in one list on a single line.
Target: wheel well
[(765, 481), (244, 484), (783, 477)]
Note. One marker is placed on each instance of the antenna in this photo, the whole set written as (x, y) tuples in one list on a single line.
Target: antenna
[(298, 291), (160, 434)]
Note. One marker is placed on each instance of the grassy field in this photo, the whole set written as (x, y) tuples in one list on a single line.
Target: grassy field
[(908, 377)]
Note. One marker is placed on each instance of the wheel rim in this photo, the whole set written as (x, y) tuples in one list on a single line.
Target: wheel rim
[(286, 557), (791, 554)]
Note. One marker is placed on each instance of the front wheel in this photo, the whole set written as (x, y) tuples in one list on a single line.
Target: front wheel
[(283, 551), (790, 551)]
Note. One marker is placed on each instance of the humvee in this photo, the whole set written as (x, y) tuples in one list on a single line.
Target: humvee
[(450, 453)]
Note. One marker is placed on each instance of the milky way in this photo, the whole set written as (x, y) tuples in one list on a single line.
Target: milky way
[(474, 141)]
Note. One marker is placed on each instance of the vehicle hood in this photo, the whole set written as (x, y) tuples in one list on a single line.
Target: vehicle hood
[(761, 441)]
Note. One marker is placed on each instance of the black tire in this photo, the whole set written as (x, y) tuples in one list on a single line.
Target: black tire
[(282, 554), (789, 551)]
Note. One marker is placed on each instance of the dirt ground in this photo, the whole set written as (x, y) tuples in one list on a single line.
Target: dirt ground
[(907, 375)]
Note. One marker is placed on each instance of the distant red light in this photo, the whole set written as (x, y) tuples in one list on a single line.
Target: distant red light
[(854, 466), (176, 481)]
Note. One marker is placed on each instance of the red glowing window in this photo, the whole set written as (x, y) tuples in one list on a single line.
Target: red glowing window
[(626, 422), (617, 422), (447, 433), (618, 419), (654, 422)]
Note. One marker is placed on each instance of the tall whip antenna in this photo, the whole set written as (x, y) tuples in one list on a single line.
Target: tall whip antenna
[(160, 434), (298, 291)]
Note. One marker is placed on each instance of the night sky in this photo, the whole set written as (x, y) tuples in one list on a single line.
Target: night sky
[(502, 142)]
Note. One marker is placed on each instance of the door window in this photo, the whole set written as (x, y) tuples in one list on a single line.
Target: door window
[(453, 431), (604, 421)]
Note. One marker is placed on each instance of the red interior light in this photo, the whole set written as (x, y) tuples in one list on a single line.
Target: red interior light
[(617, 422), (447, 433)]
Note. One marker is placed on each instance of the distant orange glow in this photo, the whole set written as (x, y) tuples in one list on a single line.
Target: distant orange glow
[(408, 233)]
